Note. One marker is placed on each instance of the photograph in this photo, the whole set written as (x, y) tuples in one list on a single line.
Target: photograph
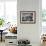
[(27, 17)]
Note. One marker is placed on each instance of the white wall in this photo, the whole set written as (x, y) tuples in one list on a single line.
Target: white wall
[(29, 31)]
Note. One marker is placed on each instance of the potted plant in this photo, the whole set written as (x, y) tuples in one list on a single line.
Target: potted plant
[(1, 22)]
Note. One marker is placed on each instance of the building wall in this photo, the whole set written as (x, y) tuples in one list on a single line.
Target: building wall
[(30, 31)]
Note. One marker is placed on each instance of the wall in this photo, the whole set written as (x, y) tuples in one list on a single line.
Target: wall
[(29, 31)]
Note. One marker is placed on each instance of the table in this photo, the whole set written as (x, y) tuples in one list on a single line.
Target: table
[(1, 34), (10, 39)]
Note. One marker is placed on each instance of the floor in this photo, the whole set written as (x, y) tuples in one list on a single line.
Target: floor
[(2, 43)]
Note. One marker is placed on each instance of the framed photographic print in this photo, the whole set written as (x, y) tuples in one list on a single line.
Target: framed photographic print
[(28, 17)]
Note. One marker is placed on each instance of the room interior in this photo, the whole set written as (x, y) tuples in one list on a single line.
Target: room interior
[(22, 22)]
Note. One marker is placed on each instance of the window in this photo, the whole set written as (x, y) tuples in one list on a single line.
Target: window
[(43, 12), (8, 11), (1, 9), (44, 16)]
